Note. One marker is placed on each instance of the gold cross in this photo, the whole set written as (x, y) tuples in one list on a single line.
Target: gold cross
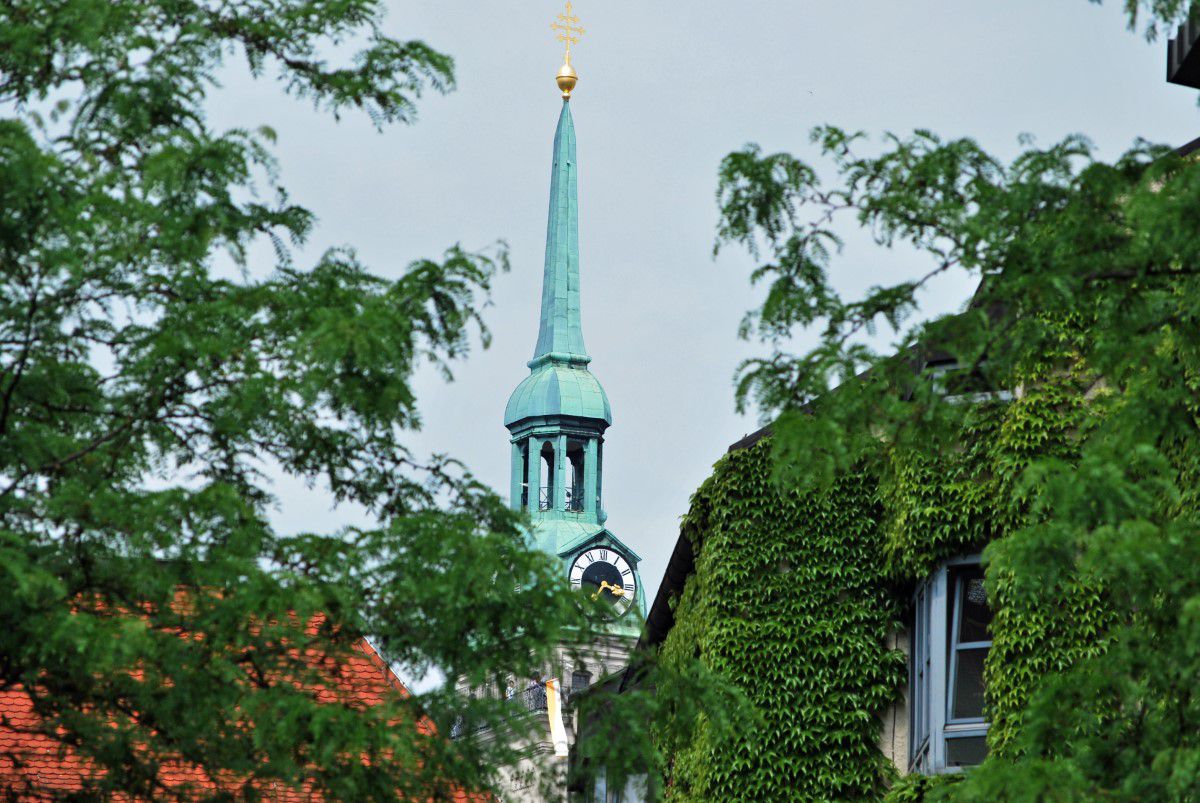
[(568, 28)]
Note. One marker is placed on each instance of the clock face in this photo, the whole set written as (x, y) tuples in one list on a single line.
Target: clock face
[(602, 573)]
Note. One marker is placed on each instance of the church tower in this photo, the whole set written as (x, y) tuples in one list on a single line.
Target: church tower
[(557, 418), (558, 415)]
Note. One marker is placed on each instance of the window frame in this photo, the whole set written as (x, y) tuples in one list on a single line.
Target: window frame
[(940, 372), (931, 695), (919, 678), (960, 727)]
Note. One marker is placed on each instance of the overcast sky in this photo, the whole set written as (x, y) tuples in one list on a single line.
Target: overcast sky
[(666, 90)]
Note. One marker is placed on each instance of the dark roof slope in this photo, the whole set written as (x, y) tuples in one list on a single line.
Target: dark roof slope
[(682, 563)]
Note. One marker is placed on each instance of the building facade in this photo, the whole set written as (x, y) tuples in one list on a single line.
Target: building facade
[(856, 617)]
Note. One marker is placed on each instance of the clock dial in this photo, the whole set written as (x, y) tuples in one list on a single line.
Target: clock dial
[(604, 574)]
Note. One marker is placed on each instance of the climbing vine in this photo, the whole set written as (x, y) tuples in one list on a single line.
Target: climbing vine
[(797, 598), (791, 602)]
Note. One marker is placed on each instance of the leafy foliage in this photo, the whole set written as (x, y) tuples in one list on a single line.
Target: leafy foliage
[(868, 538), (916, 788), (790, 603), (1082, 484), (1110, 249), (151, 611), (633, 725), (948, 504), (1160, 16)]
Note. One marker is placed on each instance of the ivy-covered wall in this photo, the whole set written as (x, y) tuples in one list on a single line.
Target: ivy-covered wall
[(789, 601), (795, 595)]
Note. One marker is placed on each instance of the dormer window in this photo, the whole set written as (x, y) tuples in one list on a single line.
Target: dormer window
[(964, 385)]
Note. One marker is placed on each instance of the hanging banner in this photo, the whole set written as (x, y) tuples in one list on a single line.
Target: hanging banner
[(558, 732)]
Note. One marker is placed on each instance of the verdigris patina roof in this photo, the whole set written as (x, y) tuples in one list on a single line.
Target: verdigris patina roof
[(555, 389), (560, 333), (559, 382)]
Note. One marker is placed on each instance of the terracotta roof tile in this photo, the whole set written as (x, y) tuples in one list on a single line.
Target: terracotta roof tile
[(35, 766)]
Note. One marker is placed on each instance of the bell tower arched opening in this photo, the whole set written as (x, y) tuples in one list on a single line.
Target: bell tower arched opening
[(547, 476), (576, 460)]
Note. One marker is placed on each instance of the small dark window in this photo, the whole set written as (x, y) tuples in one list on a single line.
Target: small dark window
[(580, 680), (966, 751)]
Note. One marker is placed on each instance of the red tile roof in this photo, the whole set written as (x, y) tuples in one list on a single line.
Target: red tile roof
[(36, 766)]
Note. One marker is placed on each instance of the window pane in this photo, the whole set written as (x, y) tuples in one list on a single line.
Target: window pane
[(967, 694), (920, 762), (975, 617), (966, 751)]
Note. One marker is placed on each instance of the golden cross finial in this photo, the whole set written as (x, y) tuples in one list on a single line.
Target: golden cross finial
[(569, 31)]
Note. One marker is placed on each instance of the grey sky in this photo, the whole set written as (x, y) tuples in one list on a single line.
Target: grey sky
[(666, 90)]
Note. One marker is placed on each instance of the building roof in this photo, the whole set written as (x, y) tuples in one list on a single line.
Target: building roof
[(1183, 56), (559, 382), (560, 334), (555, 389), (36, 766), (680, 566)]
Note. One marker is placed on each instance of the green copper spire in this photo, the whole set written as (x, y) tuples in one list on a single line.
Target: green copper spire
[(559, 413), (560, 383), (560, 337)]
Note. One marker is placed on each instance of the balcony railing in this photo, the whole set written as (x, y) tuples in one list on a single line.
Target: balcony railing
[(574, 499), (531, 699)]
